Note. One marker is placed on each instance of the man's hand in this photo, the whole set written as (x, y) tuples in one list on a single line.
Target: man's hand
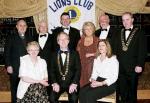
[(73, 88), (56, 87), (10, 69), (138, 69)]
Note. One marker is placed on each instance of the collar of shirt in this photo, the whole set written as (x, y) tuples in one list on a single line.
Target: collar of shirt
[(103, 34)]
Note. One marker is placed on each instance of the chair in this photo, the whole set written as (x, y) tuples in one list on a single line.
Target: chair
[(110, 98), (63, 97)]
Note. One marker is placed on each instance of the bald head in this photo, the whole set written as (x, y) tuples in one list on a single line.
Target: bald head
[(104, 21)]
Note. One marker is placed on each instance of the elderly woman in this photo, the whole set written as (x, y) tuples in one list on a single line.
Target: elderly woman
[(87, 47), (33, 77), (103, 77)]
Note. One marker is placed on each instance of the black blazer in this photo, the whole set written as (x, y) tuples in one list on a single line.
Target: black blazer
[(136, 53), (111, 35), (73, 75), (74, 35), (45, 53), (15, 47)]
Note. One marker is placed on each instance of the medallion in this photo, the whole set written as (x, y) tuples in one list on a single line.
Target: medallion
[(124, 48), (63, 78)]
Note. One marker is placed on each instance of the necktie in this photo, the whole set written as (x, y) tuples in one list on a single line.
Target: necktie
[(128, 29), (103, 29), (44, 35)]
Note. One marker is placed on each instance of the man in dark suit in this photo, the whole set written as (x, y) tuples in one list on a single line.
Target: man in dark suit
[(64, 75), (106, 31), (73, 33), (131, 53), (45, 41), (15, 47)]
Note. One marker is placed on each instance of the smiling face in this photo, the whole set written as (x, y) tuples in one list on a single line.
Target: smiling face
[(21, 26), (88, 29), (65, 20), (102, 48), (104, 21), (43, 27), (127, 20), (63, 40), (33, 49)]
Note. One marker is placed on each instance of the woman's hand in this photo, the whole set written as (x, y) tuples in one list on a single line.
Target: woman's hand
[(89, 55), (95, 84), (44, 82)]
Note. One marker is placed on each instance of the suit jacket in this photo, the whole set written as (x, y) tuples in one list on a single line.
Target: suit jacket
[(111, 35), (73, 75), (45, 53), (74, 36), (136, 53), (15, 47)]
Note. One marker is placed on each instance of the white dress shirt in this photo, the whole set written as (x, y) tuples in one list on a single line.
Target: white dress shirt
[(127, 33), (108, 69), (42, 40), (63, 56), (28, 69), (66, 30), (104, 34)]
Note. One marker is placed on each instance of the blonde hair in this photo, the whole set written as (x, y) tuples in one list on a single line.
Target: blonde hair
[(34, 43), (88, 23), (108, 47)]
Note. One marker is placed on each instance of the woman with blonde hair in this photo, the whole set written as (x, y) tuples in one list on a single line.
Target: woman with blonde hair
[(103, 77), (87, 47), (33, 77)]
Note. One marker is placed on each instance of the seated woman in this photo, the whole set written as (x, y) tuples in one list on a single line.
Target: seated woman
[(104, 75), (33, 77)]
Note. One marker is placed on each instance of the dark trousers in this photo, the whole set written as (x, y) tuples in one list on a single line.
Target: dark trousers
[(72, 98), (127, 88), (90, 95), (14, 80)]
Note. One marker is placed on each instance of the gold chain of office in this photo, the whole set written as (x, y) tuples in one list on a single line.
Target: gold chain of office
[(126, 45), (66, 67)]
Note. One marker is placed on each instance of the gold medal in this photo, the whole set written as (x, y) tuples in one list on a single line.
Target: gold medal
[(124, 48)]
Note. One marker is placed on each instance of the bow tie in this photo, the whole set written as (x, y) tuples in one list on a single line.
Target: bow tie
[(44, 35), (66, 28), (128, 29), (63, 51), (103, 29)]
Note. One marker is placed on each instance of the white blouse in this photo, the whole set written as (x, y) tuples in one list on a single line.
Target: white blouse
[(36, 71), (108, 69)]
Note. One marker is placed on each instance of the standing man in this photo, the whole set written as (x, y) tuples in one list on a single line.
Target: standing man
[(15, 47), (73, 33), (131, 53), (64, 73), (45, 41), (106, 31)]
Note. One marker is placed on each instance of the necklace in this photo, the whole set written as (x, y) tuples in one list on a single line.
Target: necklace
[(126, 45), (65, 67)]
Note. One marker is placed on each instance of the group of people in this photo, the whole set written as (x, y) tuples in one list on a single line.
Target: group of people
[(87, 67)]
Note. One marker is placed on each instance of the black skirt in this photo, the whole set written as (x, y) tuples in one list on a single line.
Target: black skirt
[(36, 93)]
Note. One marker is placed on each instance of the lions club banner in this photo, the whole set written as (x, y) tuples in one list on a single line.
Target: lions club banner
[(79, 11)]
